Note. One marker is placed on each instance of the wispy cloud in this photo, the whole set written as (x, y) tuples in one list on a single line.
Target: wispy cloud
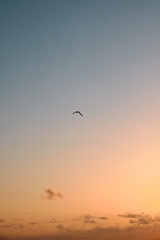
[(12, 225), (53, 220), (140, 219), (129, 215), (32, 223), (90, 219), (7, 225), (60, 227), (52, 195), (20, 225), (103, 218), (87, 218)]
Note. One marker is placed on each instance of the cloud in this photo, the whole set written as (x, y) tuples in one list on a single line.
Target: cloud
[(12, 225), (129, 215), (132, 232), (2, 220), (103, 218), (32, 223), (20, 226), (60, 227), (141, 227), (87, 218), (53, 220), (7, 225), (141, 219), (157, 218), (104, 233), (52, 195)]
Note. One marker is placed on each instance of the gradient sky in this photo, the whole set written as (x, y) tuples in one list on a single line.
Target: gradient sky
[(101, 57)]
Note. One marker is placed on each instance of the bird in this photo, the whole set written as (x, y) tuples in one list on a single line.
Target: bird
[(78, 112)]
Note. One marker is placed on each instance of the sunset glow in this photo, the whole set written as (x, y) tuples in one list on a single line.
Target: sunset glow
[(88, 176)]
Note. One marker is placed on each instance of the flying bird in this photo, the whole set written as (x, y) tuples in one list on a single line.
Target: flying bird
[(78, 112)]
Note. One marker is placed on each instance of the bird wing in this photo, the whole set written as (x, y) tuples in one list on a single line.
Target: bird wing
[(78, 112)]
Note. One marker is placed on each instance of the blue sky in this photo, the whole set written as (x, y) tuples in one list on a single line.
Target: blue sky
[(78, 52), (58, 56)]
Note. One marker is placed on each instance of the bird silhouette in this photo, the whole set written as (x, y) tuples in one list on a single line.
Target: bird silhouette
[(78, 112)]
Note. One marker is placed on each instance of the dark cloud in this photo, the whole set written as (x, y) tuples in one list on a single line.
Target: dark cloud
[(20, 225), (60, 227), (52, 195), (53, 220), (90, 219), (2, 220), (7, 225), (141, 219), (157, 218), (12, 225), (86, 219), (103, 218), (129, 215), (32, 223)]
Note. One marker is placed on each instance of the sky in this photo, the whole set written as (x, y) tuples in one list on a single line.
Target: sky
[(63, 176)]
